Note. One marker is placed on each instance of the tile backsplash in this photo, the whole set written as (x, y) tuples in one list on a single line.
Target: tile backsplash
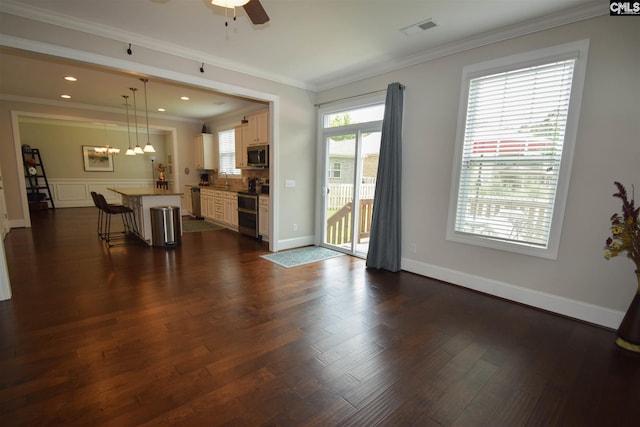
[(236, 184)]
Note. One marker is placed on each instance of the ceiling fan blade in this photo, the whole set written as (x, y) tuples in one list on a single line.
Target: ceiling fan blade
[(256, 12)]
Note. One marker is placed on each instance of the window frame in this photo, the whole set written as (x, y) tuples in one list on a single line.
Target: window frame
[(335, 169), (577, 50), (237, 175)]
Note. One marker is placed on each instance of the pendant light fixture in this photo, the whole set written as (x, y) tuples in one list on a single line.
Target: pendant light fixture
[(137, 149), (148, 148), (129, 151)]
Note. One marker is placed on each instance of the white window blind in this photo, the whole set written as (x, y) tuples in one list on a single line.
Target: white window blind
[(512, 149), (227, 152)]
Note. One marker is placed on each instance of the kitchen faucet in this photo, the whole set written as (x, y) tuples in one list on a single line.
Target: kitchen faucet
[(226, 179)]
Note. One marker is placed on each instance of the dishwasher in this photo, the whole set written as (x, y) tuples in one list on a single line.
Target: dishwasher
[(196, 209)]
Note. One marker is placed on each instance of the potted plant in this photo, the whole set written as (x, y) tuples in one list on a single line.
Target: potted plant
[(625, 237)]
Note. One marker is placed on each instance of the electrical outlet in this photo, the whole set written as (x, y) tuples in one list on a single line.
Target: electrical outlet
[(413, 248), (295, 227)]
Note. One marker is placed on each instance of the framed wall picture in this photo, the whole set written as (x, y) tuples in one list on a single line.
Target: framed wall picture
[(95, 160)]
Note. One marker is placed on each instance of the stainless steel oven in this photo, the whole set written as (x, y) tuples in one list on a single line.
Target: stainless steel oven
[(248, 213)]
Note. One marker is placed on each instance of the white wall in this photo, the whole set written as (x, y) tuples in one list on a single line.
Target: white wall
[(580, 282), (60, 143)]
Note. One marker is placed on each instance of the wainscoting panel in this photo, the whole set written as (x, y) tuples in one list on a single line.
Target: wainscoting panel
[(69, 192), (73, 193)]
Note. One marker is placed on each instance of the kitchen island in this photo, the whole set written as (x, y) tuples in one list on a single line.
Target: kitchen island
[(141, 199)]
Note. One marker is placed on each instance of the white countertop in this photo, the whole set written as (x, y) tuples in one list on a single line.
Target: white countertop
[(144, 191)]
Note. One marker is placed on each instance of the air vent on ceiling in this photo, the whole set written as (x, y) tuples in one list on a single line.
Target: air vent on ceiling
[(419, 27)]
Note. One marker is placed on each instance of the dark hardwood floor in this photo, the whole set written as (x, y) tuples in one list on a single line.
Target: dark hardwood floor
[(211, 334)]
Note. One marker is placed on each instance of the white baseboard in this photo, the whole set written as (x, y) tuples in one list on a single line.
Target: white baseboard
[(298, 242), (75, 204), (17, 223), (567, 307)]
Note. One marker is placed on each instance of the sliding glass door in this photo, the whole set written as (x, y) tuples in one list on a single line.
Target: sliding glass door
[(351, 142)]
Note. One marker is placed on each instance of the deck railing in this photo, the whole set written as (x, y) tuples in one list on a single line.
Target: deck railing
[(341, 194), (339, 225)]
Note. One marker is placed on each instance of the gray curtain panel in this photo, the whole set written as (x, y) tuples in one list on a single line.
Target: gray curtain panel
[(385, 239)]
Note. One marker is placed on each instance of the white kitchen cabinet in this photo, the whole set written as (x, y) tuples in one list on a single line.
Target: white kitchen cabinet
[(219, 206), (257, 130), (231, 209), (186, 200), (211, 207), (241, 148), (207, 207), (206, 151), (263, 217), (226, 208), (234, 210), (203, 202)]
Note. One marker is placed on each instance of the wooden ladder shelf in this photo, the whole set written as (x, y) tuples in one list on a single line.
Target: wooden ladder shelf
[(38, 190)]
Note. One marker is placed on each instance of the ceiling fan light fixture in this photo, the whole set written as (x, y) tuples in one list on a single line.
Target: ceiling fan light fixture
[(229, 4)]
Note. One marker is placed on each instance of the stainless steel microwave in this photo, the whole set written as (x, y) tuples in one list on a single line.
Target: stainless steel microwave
[(258, 156)]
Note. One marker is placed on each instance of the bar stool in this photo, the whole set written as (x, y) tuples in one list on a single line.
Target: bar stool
[(96, 202), (128, 221)]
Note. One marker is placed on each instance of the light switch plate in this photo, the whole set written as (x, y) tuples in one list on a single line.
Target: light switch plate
[(290, 183)]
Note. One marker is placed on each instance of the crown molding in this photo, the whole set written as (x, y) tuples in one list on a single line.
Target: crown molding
[(139, 40), (569, 16)]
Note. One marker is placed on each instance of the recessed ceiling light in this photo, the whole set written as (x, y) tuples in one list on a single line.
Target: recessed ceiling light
[(70, 79), (184, 98), (65, 96), (161, 109)]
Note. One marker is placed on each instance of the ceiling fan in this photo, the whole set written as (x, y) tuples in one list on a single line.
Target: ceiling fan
[(253, 8)]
